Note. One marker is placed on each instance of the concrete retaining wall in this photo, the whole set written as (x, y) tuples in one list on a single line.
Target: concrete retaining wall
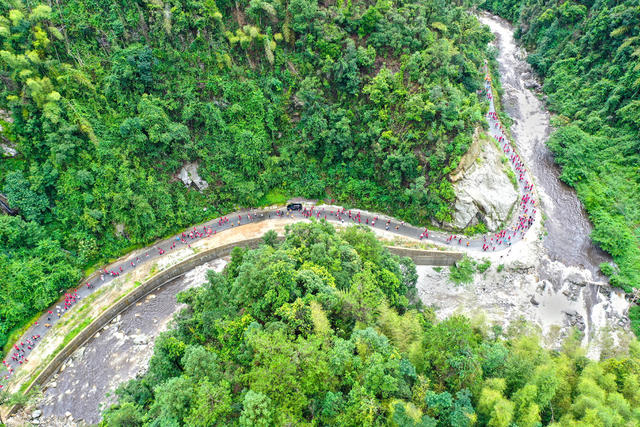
[(427, 257)]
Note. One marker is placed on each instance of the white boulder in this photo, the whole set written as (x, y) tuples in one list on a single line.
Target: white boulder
[(189, 175), (484, 192)]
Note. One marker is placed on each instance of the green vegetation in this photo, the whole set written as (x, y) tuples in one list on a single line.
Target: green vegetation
[(462, 271), (479, 228), (512, 177), (323, 329), (368, 103), (588, 53), (634, 316), (484, 266)]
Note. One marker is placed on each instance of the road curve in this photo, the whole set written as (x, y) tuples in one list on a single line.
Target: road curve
[(520, 223)]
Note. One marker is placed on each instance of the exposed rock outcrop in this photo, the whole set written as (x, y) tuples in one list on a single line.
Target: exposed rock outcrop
[(6, 147), (189, 175), (484, 191)]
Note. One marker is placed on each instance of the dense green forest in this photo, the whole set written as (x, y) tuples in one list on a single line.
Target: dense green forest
[(325, 329), (369, 103), (588, 52)]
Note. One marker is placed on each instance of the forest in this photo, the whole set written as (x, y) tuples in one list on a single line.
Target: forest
[(368, 103), (325, 328), (588, 52)]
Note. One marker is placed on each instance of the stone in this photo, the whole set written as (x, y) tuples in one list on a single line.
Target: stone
[(518, 266), (139, 340), (79, 353), (531, 84), (189, 175), (35, 422), (119, 229), (53, 384), (542, 286), (534, 301), (67, 414), (36, 414), (484, 193)]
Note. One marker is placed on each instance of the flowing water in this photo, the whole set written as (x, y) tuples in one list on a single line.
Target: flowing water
[(567, 223), (559, 287)]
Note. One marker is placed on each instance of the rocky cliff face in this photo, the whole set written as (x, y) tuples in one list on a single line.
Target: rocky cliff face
[(6, 147), (483, 189)]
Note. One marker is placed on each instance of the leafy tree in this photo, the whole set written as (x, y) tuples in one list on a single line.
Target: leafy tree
[(256, 410)]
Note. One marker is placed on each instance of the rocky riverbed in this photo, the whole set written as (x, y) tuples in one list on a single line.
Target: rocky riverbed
[(556, 299), (551, 278), (85, 383)]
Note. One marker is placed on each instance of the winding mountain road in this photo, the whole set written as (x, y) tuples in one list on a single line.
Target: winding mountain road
[(522, 218)]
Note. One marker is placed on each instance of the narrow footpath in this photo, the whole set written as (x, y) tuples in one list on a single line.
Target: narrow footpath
[(523, 217)]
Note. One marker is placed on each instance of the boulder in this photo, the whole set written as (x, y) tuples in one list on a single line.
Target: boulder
[(139, 340), (36, 414), (189, 175), (484, 193), (119, 229)]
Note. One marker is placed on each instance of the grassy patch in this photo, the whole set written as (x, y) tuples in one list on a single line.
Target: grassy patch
[(276, 196), (484, 266), (479, 228), (512, 177), (500, 268)]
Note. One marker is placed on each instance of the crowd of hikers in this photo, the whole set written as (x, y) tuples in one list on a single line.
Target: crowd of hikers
[(500, 239)]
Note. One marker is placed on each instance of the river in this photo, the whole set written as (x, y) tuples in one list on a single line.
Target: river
[(566, 221), (554, 283)]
